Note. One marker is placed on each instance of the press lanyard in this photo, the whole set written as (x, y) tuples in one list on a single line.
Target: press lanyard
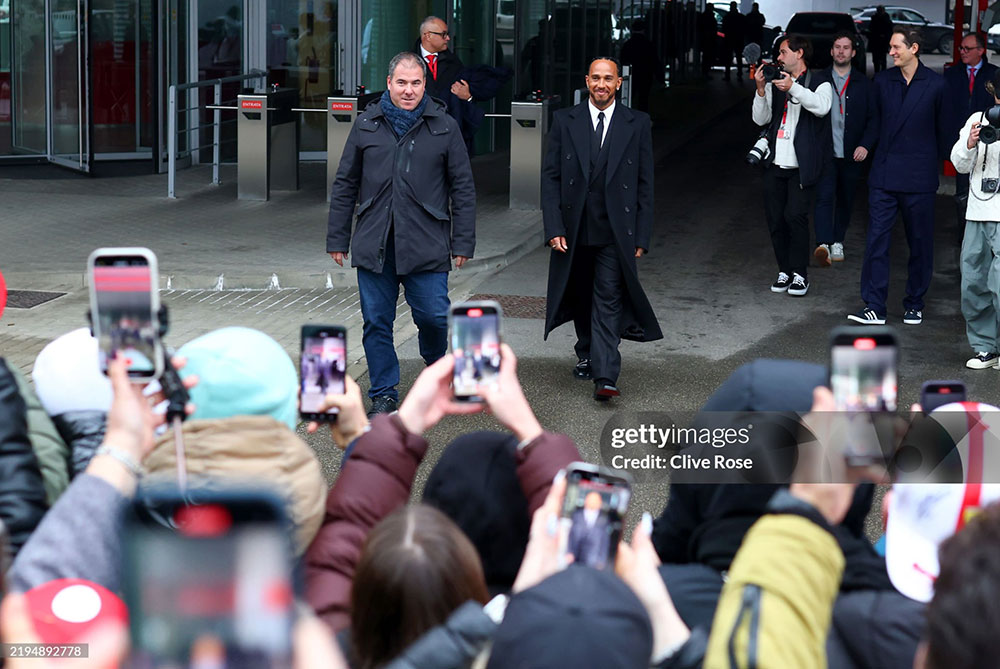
[(840, 95)]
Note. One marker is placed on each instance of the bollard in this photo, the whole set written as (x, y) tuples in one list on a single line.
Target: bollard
[(341, 113), (528, 129)]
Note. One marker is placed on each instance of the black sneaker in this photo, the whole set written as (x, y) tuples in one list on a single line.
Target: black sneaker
[(781, 283), (799, 286), (382, 404), (582, 369), (913, 317), (984, 360), (867, 316)]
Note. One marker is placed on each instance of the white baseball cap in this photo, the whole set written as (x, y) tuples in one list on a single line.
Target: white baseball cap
[(923, 515)]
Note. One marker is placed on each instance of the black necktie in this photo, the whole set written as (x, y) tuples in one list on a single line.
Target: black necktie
[(595, 142)]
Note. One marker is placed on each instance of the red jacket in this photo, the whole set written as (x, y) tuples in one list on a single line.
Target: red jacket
[(376, 481)]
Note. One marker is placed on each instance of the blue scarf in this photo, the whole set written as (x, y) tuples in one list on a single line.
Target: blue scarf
[(401, 120)]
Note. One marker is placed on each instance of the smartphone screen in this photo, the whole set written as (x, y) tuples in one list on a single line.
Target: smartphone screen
[(475, 343), (123, 309), (209, 584), (936, 394), (322, 365), (863, 369), (593, 510)]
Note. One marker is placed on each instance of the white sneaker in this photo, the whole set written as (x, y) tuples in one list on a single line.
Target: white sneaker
[(837, 252), (984, 360)]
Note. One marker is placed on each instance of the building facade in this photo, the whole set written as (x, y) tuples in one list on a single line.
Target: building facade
[(85, 81)]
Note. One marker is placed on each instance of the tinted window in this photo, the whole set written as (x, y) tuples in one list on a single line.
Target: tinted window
[(817, 23), (910, 15)]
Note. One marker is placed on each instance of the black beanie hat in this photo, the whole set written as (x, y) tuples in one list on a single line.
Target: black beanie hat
[(475, 484)]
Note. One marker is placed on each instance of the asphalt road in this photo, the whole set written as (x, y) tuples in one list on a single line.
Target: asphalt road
[(707, 276)]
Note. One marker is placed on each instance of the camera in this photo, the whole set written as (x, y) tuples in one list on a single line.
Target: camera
[(990, 133), (760, 151), (991, 184), (771, 71)]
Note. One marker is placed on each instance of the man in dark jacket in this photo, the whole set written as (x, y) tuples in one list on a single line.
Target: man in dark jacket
[(708, 29), (852, 120), (444, 75), (967, 95), (879, 32), (406, 163), (914, 136), (795, 109), (734, 27), (755, 26), (597, 208)]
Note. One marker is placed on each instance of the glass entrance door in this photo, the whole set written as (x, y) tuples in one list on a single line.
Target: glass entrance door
[(68, 110)]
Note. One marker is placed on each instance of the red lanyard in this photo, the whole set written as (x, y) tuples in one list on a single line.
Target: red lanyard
[(784, 115), (840, 95)]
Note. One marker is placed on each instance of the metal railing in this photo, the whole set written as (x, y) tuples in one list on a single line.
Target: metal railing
[(217, 107)]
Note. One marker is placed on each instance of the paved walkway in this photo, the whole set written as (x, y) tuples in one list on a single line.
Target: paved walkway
[(261, 264)]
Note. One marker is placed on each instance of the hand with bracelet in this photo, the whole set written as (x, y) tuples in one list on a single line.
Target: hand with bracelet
[(129, 434)]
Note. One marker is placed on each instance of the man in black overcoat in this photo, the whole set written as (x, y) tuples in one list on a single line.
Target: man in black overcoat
[(597, 194)]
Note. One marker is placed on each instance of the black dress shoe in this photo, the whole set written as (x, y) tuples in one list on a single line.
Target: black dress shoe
[(382, 404), (605, 390), (582, 369)]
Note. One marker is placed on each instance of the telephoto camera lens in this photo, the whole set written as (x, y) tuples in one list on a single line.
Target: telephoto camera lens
[(759, 152)]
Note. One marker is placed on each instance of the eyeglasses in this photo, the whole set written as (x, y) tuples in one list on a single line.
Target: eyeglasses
[(968, 48), (443, 35)]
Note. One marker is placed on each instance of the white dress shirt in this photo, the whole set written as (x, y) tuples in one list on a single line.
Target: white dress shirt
[(594, 111)]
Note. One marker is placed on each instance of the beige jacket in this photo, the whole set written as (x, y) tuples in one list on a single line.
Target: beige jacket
[(256, 450)]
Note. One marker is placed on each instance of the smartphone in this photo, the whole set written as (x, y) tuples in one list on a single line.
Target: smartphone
[(475, 329), (124, 309), (863, 368), (208, 579), (592, 515), (934, 394), (322, 364)]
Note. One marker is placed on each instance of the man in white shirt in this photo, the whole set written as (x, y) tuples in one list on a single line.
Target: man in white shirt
[(795, 109)]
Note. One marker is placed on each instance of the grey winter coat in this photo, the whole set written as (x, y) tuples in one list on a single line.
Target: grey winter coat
[(405, 183)]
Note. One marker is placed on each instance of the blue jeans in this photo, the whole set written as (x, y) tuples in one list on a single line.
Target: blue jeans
[(427, 295)]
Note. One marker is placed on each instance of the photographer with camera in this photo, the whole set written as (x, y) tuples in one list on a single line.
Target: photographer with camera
[(980, 260), (800, 150)]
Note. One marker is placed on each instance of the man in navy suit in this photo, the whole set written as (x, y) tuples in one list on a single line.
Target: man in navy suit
[(852, 120), (914, 136), (967, 94)]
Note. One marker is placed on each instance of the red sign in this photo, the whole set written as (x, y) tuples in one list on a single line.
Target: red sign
[(341, 106), (3, 294), (252, 104)]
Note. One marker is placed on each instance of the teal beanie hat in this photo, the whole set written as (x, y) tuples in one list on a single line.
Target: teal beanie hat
[(241, 372)]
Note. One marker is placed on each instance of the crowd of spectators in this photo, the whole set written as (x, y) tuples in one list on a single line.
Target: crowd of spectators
[(472, 575)]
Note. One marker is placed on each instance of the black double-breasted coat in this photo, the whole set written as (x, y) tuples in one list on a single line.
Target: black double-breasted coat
[(629, 196)]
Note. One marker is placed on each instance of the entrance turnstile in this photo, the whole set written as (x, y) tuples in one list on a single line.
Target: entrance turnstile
[(340, 115), (267, 136), (528, 129)]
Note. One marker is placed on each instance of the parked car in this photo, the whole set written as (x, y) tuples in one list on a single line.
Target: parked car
[(819, 28), (939, 36), (993, 38)]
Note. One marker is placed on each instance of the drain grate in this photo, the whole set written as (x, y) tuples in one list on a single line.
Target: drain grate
[(28, 299), (516, 306)]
